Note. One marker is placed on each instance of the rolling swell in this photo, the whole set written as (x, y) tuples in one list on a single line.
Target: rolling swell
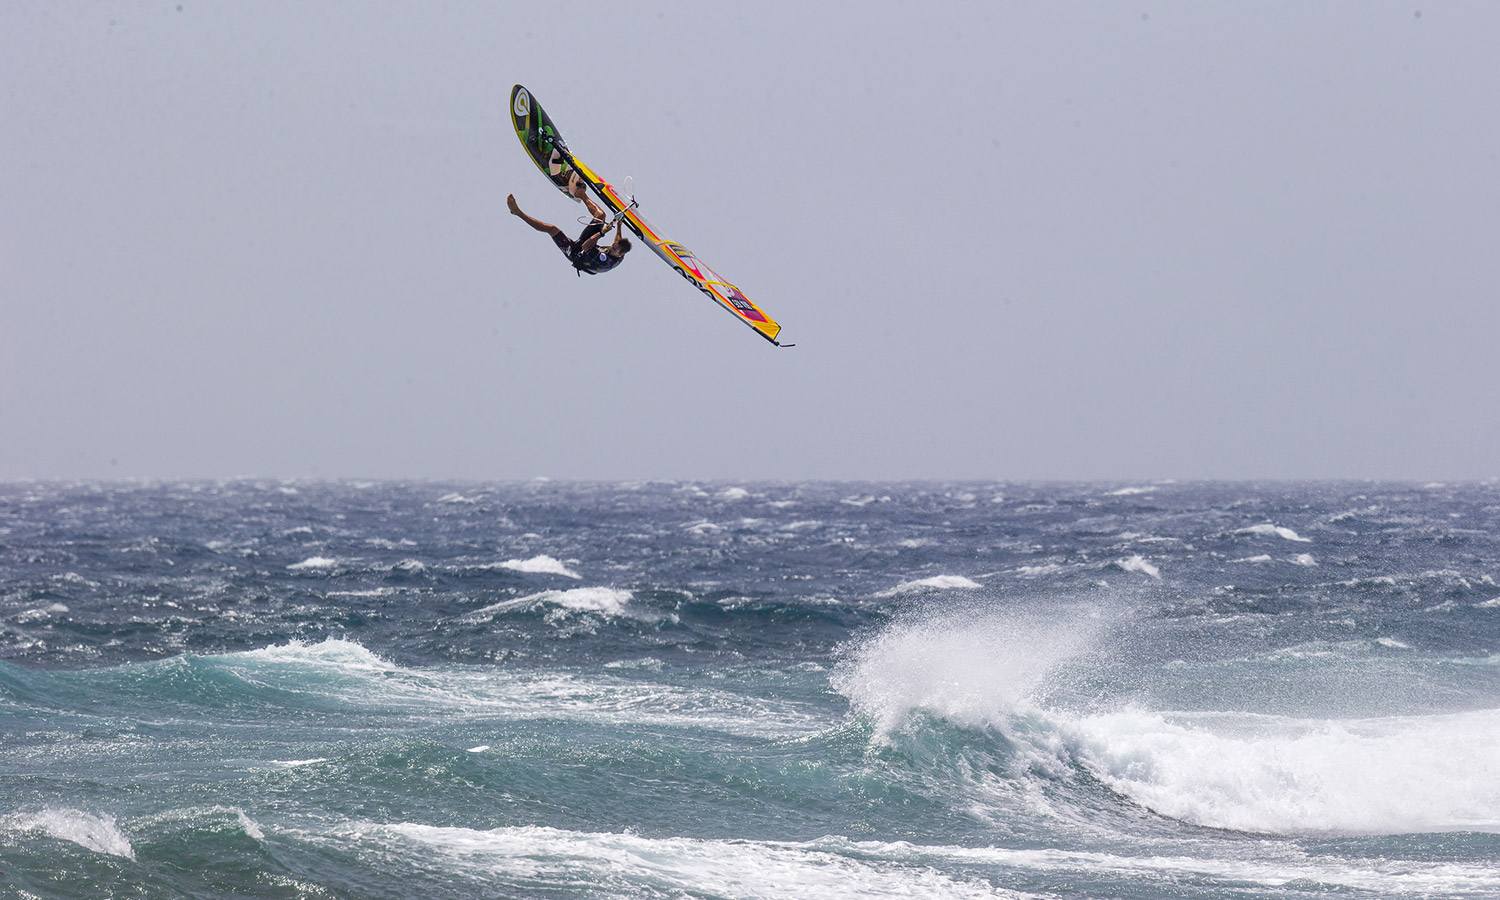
[(970, 692)]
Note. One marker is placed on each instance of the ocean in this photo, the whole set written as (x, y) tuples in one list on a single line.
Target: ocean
[(418, 691)]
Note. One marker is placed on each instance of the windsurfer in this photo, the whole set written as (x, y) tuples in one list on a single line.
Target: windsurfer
[(584, 253)]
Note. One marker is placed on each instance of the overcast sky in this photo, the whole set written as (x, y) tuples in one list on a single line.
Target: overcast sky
[(1012, 240)]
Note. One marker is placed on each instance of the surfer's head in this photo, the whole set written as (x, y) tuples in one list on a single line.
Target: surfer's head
[(619, 248)]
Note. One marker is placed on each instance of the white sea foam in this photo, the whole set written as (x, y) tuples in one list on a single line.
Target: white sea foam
[(98, 833), (971, 669), (1131, 491), (314, 562), (298, 763), (631, 865), (802, 524), (935, 583), (249, 825), (1240, 771), (734, 493), (542, 565), (331, 653), (1269, 867), (353, 677), (1262, 558), (388, 544), (628, 865), (603, 600), (1034, 571), (1269, 530), (1291, 776), (1139, 564), (1303, 559)]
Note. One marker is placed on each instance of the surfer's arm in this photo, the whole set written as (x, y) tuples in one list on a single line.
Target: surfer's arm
[(593, 242)]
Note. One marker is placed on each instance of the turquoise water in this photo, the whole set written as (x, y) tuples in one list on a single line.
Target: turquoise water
[(786, 690)]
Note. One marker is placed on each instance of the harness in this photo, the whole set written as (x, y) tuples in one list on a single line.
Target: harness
[(582, 264)]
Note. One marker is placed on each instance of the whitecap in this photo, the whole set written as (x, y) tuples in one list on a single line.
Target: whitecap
[(1270, 530), (971, 669), (1139, 564), (607, 601), (1303, 559), (98, 833), (333, 652), (801, 524), (734, 493), (540, 565), (935, 583), (1272, 774), (630, 864), (249, 825), (313, 562)]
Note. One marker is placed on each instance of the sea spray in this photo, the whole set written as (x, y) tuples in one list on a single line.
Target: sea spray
[(969, 665)]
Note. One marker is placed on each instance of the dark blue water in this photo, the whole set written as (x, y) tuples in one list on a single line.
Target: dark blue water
[(387, 690)]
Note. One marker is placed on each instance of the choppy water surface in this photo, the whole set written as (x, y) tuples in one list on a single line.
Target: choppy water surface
[(279, 690)]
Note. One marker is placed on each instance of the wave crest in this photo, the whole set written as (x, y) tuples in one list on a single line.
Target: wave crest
[(98, 833), (971, 669)]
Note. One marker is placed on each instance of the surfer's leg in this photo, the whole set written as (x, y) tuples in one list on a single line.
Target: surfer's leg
[(538, 224), (577, 188)]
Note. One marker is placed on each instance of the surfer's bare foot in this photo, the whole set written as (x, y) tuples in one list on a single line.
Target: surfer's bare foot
[(510, 201)]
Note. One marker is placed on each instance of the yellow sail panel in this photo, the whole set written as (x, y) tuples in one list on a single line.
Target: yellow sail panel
[(679, 257), (722, 291)]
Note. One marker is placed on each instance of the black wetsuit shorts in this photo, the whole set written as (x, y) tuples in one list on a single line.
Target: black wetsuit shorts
[(571, 249)]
